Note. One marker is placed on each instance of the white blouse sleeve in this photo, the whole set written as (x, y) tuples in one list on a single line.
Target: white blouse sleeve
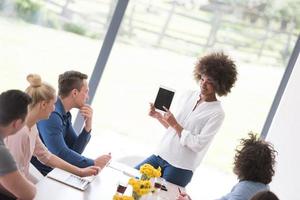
[(198, 141)]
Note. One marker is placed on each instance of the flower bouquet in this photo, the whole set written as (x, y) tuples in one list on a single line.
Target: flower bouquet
[(144, 186), (122, 197), (141, 186), (148, 172)]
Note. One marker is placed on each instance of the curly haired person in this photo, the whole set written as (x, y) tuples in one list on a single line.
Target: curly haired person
[(254, 164), (190, 131)]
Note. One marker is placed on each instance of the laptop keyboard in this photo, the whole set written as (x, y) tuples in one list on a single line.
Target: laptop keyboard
[(76, 181)]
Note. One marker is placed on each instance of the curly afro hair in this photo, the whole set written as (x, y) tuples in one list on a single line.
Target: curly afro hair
[(255, 160), (220, 68)]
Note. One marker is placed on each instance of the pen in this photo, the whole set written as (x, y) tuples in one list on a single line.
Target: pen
[(179, 190)]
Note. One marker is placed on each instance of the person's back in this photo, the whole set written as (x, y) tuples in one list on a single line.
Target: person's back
[(254, 165), (244, 190), (13, 104)]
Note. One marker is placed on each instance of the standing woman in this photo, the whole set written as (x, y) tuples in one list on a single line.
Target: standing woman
[(199, 117), (27, 142)]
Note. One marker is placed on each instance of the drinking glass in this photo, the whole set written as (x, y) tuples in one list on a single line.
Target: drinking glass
[(158, 182), (122, 187)]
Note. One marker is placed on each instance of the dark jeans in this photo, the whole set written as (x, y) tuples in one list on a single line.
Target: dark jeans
[(44, 169), (170, 173), (4, 197)]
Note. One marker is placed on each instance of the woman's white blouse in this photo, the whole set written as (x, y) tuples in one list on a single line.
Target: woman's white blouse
[(199, 128)]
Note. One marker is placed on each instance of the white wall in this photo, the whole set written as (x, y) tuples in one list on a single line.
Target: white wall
[(284, 133)]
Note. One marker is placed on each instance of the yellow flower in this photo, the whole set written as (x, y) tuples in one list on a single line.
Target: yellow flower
[(140, 187), (121, 197), (148, 171)]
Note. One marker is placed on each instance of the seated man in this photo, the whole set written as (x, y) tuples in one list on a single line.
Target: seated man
[(57, 132), (254, 165), (13, 111)]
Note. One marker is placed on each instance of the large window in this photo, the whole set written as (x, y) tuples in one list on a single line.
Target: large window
[(158, 44), (49, 37)]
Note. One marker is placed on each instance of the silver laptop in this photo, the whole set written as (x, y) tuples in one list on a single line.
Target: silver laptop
[(72, 180)]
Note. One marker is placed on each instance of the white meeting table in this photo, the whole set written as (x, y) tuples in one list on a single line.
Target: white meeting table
[(103, 187)]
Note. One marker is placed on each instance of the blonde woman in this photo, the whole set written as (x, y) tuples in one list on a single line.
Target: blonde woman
[(27, 143)]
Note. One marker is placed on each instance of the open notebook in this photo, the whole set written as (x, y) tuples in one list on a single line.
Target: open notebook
[(72, 180), (125, 169)]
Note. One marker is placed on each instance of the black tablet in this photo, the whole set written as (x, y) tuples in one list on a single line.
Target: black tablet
[(164, 98)]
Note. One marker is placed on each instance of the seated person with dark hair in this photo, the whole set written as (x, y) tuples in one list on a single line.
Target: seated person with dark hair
[(254, 165), (13, 111), (265, 195)]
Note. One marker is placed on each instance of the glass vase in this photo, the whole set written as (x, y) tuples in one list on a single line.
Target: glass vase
[(136, 196), (144, 177)]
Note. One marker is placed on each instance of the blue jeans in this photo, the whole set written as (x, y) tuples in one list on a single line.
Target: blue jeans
[(170, 173)]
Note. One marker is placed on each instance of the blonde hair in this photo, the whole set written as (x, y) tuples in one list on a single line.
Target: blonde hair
[(38, 90)]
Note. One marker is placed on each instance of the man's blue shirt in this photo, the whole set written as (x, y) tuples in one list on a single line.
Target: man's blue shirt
[(60, 138)]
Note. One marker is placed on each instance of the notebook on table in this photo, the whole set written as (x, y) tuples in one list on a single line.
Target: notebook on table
[(125, 169), (72, 180)]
